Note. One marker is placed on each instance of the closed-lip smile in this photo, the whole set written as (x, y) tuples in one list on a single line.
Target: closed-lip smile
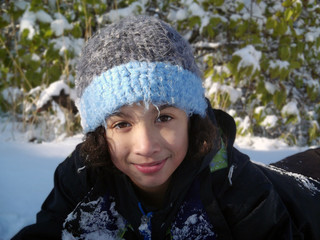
[(150, 168)]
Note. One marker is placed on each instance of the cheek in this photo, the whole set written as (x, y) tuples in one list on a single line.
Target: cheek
[(114, 149), (178, 140)]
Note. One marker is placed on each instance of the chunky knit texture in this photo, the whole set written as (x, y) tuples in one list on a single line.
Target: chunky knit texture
[(157, 83), (136, 59)]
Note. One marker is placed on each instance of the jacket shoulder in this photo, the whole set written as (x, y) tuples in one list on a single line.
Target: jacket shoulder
[(286, 203)]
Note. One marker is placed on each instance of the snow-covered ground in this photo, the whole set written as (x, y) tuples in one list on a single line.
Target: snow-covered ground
[(26, 172)]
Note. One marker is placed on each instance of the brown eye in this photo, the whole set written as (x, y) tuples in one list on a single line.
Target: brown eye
[(121, 125), (164, 118)]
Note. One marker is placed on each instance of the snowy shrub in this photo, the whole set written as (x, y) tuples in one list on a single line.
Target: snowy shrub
[(260, 58)]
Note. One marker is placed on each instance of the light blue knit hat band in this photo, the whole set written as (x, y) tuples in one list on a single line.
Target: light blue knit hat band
[(157, 83)]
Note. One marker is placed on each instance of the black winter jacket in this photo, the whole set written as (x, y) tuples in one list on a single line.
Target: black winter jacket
[(243, 201)]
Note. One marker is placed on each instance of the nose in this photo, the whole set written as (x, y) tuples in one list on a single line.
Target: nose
[(147, 141)]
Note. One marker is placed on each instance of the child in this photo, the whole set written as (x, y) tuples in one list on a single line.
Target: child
[(159, 161)]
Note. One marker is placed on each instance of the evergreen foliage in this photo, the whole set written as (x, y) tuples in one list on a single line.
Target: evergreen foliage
[(260, 58)]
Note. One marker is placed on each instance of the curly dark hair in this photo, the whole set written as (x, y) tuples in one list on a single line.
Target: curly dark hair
[(203, 136)]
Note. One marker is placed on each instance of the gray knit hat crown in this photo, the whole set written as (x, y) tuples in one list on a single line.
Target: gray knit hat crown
[(141, 38), (136, 59)]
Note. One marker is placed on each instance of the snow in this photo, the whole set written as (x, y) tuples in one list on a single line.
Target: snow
[(271, 88), (132, 9), (244, 124), (65, 43), (26, 176), (44, 17), (27, 22), (270, 121), (249, 57), (54, 89), (181, 14), (26, 173), (29, 18), (259, 109), (279, 64), (60, 24), (12, 94), (21, 4), (290, 109), (313, 35), (216, 87)]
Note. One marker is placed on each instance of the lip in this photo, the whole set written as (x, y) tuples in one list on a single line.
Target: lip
[(150, 168)]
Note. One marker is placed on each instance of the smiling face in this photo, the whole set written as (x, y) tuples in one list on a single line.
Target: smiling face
[(148, 145)]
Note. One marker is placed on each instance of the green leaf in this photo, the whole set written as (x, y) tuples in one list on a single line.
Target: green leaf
[(281, 28), (271, 23), (314, 132), (298, 82), (214, 21), (295, 64), (240, 6), (36, 5), (284, 53), (312, 93), (288, 14), (48, 33), (218, 2), (287, 3), (52, 54), (241, 29), (193, 21), (208, 72), (279, 98), (33, 77), (76, 31), (54, 73)]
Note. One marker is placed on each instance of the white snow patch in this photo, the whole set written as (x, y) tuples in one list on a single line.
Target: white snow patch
[(22, 5), (181, 14), (60, 24), (216, 87), (202, 44), (235, 17), (35, 57), (249, 57), (244, 124), (271, 88), (27, 22), (221, 69), (313, 83), (270, 121), (54, 89), (12, 94), (135, 8), (65, 43), (29, 18), (44, 17), (290, 109), (303, 181), (279, 64), (313, 35), (232, 112), (259, 109), (94, 222)]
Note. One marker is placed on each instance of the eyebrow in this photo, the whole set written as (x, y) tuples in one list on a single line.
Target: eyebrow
[(164, 106), (124, 115), (118, 114)]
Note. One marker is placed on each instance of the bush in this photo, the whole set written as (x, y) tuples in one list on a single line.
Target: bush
[(260, 58)]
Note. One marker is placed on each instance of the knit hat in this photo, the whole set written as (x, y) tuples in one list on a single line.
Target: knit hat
[(138, 59)]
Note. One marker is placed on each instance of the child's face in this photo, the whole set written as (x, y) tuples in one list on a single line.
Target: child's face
[(148, 145)]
